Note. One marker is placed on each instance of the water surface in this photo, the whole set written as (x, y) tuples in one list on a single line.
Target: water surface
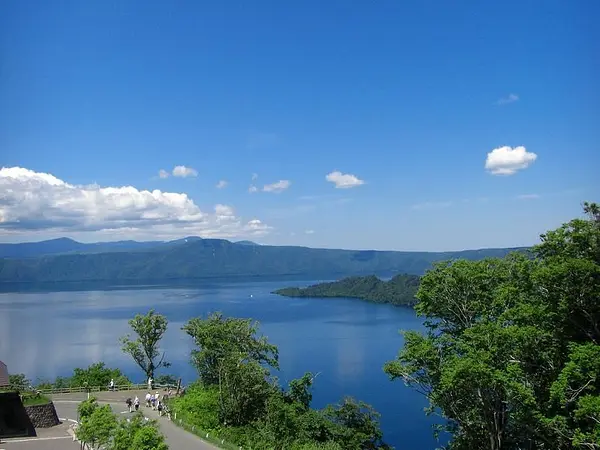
[(346, 341)]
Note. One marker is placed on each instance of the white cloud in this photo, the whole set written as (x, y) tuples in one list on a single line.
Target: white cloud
[(252, 189), (184, 172), (162, 173), (222, 184), (34, 203), (343, 180), (309, 232), (277, 187), (507, 161), (528, 196), (510, 98), (254, 176)]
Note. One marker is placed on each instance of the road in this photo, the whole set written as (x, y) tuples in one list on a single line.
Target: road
[(57, 438)]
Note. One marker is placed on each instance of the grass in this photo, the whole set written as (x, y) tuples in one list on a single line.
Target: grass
[(32, 398)]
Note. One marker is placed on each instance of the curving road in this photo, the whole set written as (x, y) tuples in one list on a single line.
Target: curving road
[(57, 438)]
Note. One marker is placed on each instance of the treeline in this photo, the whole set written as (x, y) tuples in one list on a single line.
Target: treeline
[(237, 396), (511, 356), (400, 290)]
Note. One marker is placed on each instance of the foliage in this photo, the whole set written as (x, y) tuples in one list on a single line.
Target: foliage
[(400, 290), (148, 438), (97, 428), (511, 358), (18, 382), (219, 339), (237, 398), (100, 428), (34, 398), (95, 375), (166, 379), (198, 407), (231, 356), (144, 350), (208, 258), (86, 408), (356, 425)]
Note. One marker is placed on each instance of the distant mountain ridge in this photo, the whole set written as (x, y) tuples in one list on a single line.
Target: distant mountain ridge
[(195, 258), (67, 245)]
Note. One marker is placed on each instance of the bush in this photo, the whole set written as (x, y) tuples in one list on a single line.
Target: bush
[(199, 407)]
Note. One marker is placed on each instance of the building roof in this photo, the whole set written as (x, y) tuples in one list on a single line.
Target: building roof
[(3, 374)]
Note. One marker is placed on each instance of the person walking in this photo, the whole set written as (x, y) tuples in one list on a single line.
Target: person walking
[(148, 398), (128, 403), (112, 384), (150, 383), (153, 401), (136, 403)]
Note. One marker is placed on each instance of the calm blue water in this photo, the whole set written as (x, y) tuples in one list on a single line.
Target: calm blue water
[(46, 334)]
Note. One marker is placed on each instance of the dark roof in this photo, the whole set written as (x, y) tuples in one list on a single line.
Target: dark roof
[(3, 374)]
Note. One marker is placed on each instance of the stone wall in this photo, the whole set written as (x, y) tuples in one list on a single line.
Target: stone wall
[(42, 416)]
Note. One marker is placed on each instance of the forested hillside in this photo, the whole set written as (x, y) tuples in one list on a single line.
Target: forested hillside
[(400, 290), (206, 258)]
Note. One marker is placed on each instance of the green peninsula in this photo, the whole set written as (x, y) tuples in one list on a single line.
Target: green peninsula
[(400, 290)]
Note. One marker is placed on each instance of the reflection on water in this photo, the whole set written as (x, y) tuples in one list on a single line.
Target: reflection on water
[(47, 334)]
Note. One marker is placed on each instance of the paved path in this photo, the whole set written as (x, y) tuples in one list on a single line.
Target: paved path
[(57, 438)]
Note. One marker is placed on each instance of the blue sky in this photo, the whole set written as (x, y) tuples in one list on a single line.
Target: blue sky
[(408, 97)]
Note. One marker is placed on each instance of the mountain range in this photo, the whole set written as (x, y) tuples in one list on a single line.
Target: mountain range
[(64, 259)]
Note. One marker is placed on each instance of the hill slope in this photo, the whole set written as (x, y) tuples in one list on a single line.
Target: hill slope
[(206, 258), (400, 290)]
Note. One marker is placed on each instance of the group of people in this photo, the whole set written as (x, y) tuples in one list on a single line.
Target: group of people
[(154, 401), (133, 404)]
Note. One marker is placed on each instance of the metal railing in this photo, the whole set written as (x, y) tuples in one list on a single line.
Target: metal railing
[(86, 389)]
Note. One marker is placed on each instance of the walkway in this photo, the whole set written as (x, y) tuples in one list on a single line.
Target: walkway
[(176, 438)]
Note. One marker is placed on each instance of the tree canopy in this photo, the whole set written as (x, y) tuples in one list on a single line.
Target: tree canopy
[(237, 395), (511, 356), (144, 349), (99, 428), (400, 290)]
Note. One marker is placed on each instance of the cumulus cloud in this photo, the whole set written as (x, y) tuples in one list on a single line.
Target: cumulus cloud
[(222, 184), (343, 180), (33, 202), (309, 231), (162, 173), (510, 98), (507, 161), (277, 187), (252, 189), (254, 176), (184, 172)]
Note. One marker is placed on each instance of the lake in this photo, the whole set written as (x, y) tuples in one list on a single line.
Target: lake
[(346, 341)]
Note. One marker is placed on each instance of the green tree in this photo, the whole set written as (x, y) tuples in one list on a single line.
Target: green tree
[(144, 349), (137, 434), (166, 379), (218, 337), (86, 408), (504, 357), (97, 428), (231, 356), (148, 438), (97, 375), (18, 382), (356, 425)]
